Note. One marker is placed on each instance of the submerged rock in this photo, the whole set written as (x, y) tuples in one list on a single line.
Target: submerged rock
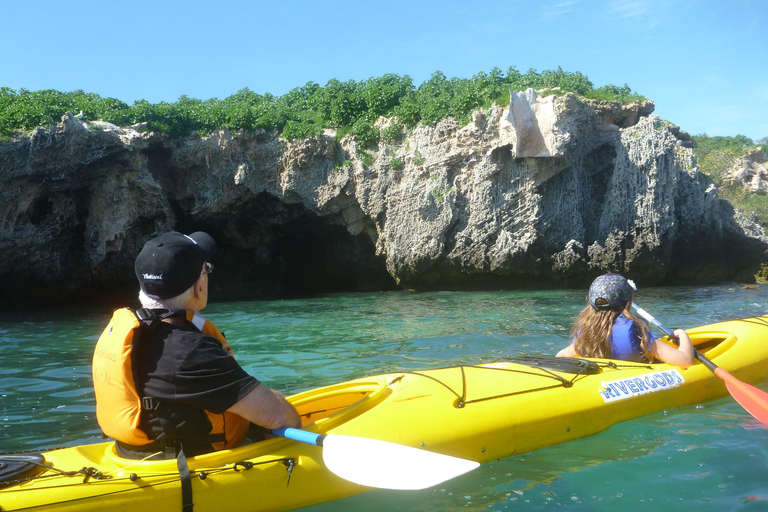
[(549, 191)]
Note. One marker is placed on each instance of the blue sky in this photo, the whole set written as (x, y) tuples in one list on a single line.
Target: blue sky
[(704, 62)]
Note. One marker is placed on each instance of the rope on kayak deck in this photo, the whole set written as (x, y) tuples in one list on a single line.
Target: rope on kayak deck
[(758, 320), (89, 473), (462, 400)]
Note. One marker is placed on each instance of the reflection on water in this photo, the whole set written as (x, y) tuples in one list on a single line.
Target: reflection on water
[(711, 457)]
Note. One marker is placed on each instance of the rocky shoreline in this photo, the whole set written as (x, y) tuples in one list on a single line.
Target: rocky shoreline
[(548, 191)]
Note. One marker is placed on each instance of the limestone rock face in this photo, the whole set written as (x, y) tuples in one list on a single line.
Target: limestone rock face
[(751, 172), (549, 191)]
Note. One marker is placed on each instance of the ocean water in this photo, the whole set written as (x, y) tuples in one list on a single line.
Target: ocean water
[(711, 456)]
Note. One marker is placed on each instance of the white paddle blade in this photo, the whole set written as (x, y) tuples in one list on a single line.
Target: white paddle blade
[(375, 463)]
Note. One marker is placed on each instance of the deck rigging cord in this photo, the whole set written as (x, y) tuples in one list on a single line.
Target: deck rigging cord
[(245, 465), (462, 400)]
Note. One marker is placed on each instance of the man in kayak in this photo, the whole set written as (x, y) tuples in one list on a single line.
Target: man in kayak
[(606, 328), (164, 376)]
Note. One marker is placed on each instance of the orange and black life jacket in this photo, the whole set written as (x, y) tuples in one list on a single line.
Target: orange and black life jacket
[(118, 398)]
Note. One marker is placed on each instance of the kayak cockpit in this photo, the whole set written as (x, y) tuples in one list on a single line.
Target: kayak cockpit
[(711, 343), (336, 404)]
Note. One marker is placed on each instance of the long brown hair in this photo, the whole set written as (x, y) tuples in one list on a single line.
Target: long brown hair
[(592, 331)]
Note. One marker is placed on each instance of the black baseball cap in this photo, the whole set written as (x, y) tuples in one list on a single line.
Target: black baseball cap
[(169, 264)]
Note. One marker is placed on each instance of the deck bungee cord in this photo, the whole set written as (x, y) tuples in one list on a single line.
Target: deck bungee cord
[(93, 476), (758, 321), (580, 368)]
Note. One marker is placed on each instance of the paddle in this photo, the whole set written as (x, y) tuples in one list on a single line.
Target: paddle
[(382, 464), (754, 400)]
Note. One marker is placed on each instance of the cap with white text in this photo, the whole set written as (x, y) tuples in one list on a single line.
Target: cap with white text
[(171, 263)]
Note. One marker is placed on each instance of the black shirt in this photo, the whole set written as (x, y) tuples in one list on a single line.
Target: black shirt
[(188, 373)]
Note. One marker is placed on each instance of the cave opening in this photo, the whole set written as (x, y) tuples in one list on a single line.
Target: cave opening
[(269, 248)]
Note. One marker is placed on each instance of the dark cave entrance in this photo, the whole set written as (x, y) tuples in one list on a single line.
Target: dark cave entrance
[(317, 257), (268, 248)]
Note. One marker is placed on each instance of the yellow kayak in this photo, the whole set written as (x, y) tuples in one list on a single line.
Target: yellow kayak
[(480, 413)]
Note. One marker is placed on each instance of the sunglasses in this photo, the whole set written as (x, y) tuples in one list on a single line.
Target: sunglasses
[(208, 268)]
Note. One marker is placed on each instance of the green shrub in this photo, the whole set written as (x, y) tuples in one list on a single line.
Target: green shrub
[(752, 205), (396, 164), (391, 133), (418, 159), (613, 93), (716, 164), (704, 144), (350, 106), (342, 103), (384, 93), (717, 155), (408, 111), (367, 158), (239, 111), (342, 164), (301, 130), (367, 134)]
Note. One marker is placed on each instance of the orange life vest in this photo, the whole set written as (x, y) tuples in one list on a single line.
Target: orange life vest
[(118, 403)]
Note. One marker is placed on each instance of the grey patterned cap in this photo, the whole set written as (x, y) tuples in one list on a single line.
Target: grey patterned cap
[(610, 291)]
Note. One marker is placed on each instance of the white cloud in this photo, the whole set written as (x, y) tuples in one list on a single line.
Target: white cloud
[(649, 13), (558, 9), (629, 8)]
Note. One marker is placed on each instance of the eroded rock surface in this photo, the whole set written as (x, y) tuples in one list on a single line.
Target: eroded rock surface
[(549, 191), (751, 172)]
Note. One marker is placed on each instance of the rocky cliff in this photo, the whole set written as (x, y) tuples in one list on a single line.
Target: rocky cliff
[(549, 191), (751, 172)]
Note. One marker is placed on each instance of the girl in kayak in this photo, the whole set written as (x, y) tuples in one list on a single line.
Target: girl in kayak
[(607, 329)]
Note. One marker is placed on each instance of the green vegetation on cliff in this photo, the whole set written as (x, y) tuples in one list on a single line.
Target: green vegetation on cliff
[(716, 156), (350, 107)]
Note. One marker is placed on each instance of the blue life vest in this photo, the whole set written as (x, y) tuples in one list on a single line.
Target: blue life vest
[(625, 341)]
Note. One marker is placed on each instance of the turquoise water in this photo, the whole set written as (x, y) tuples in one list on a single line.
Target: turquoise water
[(707, 457)]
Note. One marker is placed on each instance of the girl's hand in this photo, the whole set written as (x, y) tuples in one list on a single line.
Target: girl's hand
[(681, 356)]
